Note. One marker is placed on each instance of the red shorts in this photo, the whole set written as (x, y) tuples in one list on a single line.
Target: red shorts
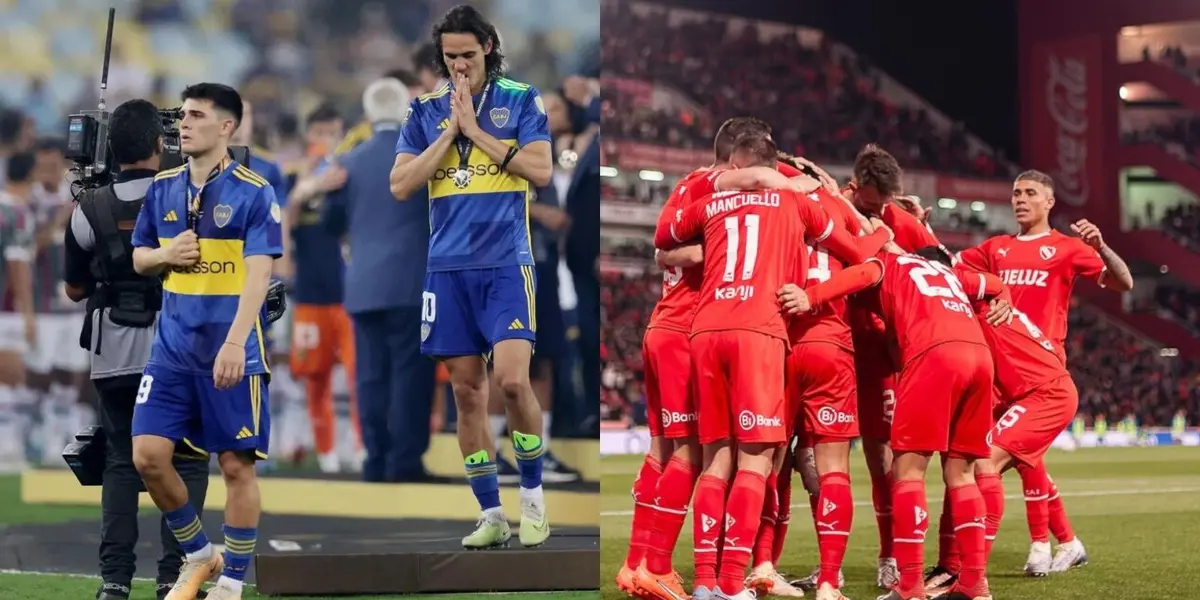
[(1030, 425), (739, 376), (322, 335), (944, 401), (670, 408), (821, 392), (875, 380)]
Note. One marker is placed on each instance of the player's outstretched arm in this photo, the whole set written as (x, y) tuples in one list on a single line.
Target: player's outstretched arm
[(688, 255), (850, 281), (687, 224)]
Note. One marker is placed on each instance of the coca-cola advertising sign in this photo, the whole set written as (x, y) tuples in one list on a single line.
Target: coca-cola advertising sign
[(1064, 111)]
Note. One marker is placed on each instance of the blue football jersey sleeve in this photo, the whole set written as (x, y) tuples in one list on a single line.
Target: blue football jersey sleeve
[(264, 235), (534, 125), (412, 135), (145, 231)]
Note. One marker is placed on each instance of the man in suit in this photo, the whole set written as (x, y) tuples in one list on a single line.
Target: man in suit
[(583, 255), (385, 271)]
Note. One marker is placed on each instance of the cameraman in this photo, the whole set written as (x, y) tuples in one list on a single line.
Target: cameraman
[(122, 314)]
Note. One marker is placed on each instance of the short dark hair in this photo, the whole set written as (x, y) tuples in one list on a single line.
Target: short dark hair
[(222, 96), (1036, 176), (732, 130), (876, 168), (465, 19), (12, 122), (760, 148), (133, 131), (405, 76), (20, 167), (323, 114), (426, 57), (935, 254)]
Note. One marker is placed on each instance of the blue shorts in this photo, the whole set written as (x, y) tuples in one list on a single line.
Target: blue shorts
[(186, 407), (467, 312)]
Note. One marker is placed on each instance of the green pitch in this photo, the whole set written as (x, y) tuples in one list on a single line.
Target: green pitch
[(1137, 510)]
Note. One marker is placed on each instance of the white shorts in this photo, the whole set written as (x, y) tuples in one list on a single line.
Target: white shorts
[(57, 345)]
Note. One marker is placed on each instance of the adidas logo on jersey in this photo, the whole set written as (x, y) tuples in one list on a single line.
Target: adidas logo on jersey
[(171, 217), (244, 433), (515, 325), (444, 124), (748, 420)]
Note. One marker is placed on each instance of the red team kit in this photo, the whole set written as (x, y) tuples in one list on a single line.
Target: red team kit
[(893, 345)]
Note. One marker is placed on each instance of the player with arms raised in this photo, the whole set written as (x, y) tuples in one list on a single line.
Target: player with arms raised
[(1040, 266), (753, 242), (481, 143)]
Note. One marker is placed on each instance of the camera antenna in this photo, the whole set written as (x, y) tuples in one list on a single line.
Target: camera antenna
[(112, 15), (101, 154)]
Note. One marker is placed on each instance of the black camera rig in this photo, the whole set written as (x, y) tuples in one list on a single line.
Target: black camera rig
[(87, 136)]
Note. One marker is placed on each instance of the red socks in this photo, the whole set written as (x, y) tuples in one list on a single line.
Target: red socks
[(991, 487), (764, 545), (744, 511), (1060, 526), (674, 492), (643, 510), (910, 523), (881, 497), (783, 490), (1036, 485), (968, 515), (834, 518), (947, 549), (708, 523)]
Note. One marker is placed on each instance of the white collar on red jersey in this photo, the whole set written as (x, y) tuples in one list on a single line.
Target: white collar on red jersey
[(1036, 236)]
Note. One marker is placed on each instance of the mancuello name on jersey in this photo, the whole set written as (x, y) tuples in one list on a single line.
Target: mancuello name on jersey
[(723, 202)]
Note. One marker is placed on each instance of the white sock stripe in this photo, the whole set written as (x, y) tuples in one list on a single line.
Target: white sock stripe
[(968, 525), (1054, 497), (989, 538), (671, 511), (1036, 498), (841, 533), (737, 549), (909, 541), (704, 550), (886, 513)]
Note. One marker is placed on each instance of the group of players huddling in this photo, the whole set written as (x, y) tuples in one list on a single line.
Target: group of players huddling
[(797, 316)]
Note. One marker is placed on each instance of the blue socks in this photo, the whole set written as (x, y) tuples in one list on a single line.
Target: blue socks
[(529, 450), (481, 473), (239, 549), (185, 524)]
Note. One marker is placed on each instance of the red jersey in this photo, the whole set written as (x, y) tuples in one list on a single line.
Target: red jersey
[(1040, 271), (753, 242), (681, 285), (910, 234), (923, 305), (1024, 358), (830, 323)]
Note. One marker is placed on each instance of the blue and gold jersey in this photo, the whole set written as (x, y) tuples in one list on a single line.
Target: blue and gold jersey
[(485, 223), (239, 217)]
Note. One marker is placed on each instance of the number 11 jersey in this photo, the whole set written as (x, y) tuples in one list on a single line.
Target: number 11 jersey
[(753, 245)]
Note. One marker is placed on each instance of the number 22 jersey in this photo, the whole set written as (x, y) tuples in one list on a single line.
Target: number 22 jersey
[(924, 305)]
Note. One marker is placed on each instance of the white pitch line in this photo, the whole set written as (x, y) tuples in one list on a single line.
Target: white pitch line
[(938, 500)]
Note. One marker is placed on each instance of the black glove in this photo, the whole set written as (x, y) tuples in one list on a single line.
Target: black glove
[(276, 300)]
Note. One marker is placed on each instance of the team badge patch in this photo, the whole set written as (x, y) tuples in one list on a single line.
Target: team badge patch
[(222, 213), (425, 331), (1046, 252), (537, 101), (499, 116), (276, 214)]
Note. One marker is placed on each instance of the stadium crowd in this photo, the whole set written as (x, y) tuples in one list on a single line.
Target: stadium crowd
[(836, 94), (290, 67)]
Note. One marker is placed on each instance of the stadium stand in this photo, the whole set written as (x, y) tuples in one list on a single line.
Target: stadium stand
[(1119, 371)]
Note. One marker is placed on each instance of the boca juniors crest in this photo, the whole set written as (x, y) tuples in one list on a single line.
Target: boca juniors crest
[(222, 213), (499, 116)]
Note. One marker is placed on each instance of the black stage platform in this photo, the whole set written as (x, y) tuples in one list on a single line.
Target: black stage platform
[(324, 555)]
